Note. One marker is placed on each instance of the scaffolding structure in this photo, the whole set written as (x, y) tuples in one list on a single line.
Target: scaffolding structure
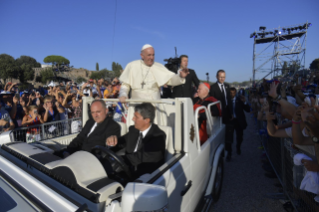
[(277, 47)]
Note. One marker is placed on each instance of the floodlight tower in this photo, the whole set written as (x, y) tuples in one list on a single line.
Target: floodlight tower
[(288, 46)]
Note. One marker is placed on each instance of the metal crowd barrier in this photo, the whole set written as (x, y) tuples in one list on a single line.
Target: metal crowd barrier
[(280, 154), (47, 130)]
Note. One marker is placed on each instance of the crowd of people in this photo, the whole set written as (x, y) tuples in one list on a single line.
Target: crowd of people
[(50, 103), (142, 79), (289, 108)]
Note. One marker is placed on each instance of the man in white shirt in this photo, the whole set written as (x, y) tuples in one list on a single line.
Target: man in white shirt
[(144, 144), (220, 91), (236, 108), (95, 131)]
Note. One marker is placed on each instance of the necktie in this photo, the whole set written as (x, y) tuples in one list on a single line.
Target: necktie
[(223, 92), (234, 103), (139, 141)]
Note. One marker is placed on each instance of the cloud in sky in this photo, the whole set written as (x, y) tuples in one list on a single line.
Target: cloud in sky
[(152, 32)]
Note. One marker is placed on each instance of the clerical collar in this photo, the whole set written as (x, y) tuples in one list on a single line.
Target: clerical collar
[(146, 131)]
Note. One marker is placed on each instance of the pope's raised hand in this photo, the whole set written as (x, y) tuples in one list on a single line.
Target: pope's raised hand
[(111, 141)]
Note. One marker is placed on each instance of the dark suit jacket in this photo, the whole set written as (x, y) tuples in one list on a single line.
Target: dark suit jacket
[(98, 137), (216, 92), (240, 107), (185, 90), (150, 155)]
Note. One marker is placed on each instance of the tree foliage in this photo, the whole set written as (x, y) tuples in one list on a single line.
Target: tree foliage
[(116, 68), (97, 68), (104, 73), (8, 67), (314, 64), (46, 75), (25, 68), (80, 80), (56, 60)]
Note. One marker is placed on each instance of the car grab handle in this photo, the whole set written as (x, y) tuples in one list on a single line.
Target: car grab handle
[(189, 184)]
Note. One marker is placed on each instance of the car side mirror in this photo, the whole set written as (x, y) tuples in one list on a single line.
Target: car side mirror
[(144, 197)]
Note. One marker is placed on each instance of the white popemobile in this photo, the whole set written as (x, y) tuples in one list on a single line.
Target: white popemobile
[(34, 179)]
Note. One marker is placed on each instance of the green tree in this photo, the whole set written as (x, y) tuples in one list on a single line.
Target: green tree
[(46, 75), (314, 64), (56, 60), (59, 63), (26, 65), (103, 73), (97, 68), (8, 67), (80, 80), (116, 68)]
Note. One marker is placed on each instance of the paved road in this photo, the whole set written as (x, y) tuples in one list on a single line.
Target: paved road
[(245, 186)]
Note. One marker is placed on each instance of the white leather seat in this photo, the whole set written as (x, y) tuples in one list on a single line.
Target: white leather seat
[(87, 169), (84, 165), (123, 128), (169, 143)]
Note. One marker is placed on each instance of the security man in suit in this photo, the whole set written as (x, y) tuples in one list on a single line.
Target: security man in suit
[(236, 108), (185, 90), (220, 91), (95, 132), (144, 143)]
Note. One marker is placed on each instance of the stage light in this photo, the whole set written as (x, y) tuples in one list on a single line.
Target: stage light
[(279, 33), (251, 35), (271, 33), (296, 28), (309, 24), (292, 29), (284, 29), (300, 27), (262, 28)]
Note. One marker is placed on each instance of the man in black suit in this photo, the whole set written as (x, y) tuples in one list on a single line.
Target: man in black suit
[(144, 143), (220, 91), (185, 90), (96, 130), (236, 108)]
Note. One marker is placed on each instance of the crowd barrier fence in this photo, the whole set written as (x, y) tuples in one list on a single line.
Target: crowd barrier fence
[(46, 130), (280, 153)]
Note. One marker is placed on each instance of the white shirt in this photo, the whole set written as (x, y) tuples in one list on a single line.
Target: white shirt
[(144, 133), (220, 87), (92, 129)]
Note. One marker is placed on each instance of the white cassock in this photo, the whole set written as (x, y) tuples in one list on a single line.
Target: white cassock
[(145, 82)]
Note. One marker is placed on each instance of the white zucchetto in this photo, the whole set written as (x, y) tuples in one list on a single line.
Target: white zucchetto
[(146, 46)]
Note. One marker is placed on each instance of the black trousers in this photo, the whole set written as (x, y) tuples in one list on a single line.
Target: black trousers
[(232, 126)]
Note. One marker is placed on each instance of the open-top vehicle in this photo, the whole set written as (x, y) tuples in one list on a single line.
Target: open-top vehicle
[(34, 178)]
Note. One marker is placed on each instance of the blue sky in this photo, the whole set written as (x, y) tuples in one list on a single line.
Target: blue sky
[(214, 34)]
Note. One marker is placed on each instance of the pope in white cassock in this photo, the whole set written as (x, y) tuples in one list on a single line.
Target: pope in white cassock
[(145, 77)]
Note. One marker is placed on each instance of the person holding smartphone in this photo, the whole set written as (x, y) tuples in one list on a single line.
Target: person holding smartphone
[(32, 118)]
